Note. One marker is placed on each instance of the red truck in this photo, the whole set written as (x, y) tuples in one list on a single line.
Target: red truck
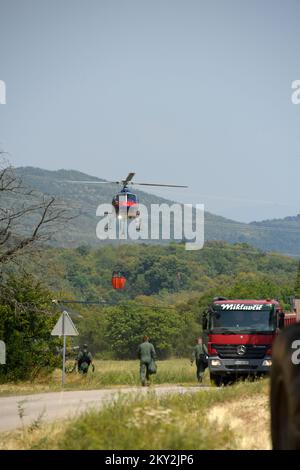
[(239, 335)]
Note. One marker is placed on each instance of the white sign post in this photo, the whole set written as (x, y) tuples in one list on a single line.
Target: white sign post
[(64, 327), (2, 353)]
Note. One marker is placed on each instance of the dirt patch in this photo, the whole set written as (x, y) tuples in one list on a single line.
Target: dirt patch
[(248, 418)]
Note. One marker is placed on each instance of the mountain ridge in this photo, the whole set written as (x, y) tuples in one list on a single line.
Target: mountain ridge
[(282, 235)]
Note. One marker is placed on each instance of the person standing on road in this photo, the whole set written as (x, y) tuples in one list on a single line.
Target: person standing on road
[(84, 360), (147, 356), (199, 355)]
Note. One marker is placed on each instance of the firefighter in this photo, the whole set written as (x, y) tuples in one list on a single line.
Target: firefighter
[(147, 356), (199, 355), (84, 360)]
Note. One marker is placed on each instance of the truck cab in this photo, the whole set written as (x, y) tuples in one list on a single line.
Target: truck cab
[(239, 335)]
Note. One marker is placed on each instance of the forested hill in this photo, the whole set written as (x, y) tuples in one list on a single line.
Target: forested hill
[(165, 272), (282, 235)]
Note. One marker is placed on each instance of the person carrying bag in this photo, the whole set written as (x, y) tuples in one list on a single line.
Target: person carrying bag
[(147, 356)]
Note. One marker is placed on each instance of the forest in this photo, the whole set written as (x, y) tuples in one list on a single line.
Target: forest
[(166, 292)]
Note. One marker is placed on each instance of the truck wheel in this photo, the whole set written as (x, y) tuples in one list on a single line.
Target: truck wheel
[(216, 379), (285, 396)]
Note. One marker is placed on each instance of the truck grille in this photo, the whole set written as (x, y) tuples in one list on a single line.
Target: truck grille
[(230, 351), (238, 367)]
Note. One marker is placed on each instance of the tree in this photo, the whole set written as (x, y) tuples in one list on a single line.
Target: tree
[(92, 327), (26, 321), (246, 286), (39, 216), (167, 273), (27, 218), (127, 324)]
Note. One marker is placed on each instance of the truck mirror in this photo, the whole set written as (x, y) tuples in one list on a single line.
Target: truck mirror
[(204, 321)]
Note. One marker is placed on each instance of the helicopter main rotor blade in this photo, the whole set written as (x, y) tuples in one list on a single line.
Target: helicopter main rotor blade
[(126, 182), (128, 179), (157, 184), (92, 182)]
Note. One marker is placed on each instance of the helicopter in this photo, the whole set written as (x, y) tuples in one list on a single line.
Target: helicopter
[(125, 203)]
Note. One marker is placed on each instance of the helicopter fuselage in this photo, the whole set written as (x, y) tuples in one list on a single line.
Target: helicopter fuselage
[(126, 204)]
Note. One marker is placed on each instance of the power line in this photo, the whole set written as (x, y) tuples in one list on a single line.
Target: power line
[(104, 303)]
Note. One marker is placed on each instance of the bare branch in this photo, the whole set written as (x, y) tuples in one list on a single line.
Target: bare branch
[(27, 217)]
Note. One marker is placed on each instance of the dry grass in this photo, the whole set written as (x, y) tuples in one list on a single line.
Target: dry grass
[(248, 419), (34, 437)]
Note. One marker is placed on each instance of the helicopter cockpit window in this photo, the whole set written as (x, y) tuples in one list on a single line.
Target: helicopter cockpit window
[(131, 197)]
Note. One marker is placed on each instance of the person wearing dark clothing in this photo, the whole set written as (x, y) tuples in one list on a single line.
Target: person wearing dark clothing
[(84, 360), (146, 355), (199, 356)]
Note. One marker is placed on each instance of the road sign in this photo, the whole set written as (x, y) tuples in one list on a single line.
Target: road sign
[(64, 327), (2, 353)]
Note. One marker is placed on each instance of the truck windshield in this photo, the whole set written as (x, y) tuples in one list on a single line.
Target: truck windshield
[(241, 320)]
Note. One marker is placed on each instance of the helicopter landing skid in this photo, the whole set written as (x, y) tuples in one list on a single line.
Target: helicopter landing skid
[(108, 226)]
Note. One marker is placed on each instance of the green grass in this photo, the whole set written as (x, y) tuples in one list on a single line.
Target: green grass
[(176, 422), (172, 371), (107, 374), (169, 422)]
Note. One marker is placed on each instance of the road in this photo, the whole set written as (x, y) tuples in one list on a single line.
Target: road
[(67, 404)]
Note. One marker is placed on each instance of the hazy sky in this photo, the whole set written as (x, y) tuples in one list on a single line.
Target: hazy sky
[(181, 91)]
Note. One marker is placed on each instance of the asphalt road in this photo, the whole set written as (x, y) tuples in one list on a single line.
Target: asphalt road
[(65, 404)]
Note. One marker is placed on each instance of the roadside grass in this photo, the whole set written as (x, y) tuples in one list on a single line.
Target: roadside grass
[(107, 374), (173, 421)]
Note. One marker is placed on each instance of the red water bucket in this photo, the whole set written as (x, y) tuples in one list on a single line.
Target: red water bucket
[(118, 281)]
